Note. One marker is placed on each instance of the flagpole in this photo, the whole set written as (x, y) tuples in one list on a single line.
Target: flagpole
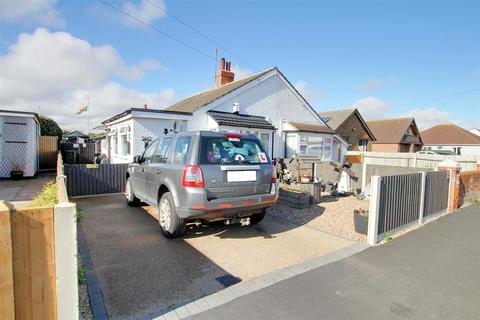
[(88, 114)]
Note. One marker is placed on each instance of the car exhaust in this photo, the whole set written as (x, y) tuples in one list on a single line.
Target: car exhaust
[(243, 221)]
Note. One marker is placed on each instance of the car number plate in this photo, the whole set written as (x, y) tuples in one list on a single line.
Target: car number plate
[(236, 176)]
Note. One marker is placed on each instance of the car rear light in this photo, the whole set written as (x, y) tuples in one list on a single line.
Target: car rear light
[(233, 135), (192, 177), (274, 174)]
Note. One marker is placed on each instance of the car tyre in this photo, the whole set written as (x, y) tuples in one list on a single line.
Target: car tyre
[(132, 200), (256, 218), (171, 225)]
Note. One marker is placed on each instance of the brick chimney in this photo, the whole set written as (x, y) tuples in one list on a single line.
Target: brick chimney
[(224, 75)]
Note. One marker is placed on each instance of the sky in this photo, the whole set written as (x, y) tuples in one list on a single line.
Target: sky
[(386, 58)]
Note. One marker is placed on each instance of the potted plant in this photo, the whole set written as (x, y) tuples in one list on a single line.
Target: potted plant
[(360, 219), (17, 172)]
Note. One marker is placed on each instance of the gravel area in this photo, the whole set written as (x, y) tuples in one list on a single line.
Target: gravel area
[(83, 300), (333, 215)]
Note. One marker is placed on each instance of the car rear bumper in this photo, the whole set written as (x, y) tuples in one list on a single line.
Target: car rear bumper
[(228, 207)]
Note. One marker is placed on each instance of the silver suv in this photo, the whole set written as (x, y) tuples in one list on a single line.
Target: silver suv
[(203, 176)]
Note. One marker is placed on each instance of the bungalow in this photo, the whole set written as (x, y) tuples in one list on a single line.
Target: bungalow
[(452, 138), (19, 132), (395, 135), (352, 128), (265, 104)]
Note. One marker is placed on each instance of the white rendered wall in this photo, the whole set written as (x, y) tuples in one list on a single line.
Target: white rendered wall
[(464, 149), (270, 98)]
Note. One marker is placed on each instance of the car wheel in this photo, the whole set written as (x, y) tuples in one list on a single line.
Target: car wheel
[(132, 200), (171, 224), (256, 218)]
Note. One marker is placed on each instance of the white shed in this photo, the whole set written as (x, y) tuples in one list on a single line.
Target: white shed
[(19, 132)]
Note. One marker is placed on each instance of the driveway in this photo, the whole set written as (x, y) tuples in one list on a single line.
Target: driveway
[(429, 273), (142, 274)]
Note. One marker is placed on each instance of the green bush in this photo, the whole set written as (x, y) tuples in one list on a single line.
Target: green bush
[(47, 197), (48, 127)]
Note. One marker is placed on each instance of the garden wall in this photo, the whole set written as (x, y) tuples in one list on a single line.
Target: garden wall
[(469, 186)]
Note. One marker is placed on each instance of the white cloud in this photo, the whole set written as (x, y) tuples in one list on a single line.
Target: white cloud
[(29, 11), (301, 86), (240, 73), (60, 71), (372, 108), (426, 118), (146, 10)]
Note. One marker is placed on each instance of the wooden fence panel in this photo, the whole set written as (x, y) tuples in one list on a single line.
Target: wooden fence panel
[(34, 263), (7, 302), (48, 150)]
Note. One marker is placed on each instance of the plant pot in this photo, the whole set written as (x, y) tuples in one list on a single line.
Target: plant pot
[(16, 175), (361, 223)]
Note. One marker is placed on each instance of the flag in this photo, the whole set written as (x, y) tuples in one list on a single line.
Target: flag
[(82, 110)]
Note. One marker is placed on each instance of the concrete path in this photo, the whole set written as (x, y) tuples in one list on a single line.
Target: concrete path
[(24, 189), (142, 274), (430, 273)]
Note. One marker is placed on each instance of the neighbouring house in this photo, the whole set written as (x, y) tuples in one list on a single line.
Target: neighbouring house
[(130, 131), (19, 132), (475, 131), (395, 135), (76, 137), (351, 126), (265, 104), (452, 138)]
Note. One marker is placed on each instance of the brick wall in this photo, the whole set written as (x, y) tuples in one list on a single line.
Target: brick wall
[(469, 186), (384, 147)]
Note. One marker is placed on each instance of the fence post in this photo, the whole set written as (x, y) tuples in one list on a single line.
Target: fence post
[(454, 189), (373, 212), (422, 197), (364, 175), (7, 296), (66, 260)]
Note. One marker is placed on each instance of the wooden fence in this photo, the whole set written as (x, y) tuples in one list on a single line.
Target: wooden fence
[(405, 159), (77, 153), (38, 264), (28, 263), (48, 150)]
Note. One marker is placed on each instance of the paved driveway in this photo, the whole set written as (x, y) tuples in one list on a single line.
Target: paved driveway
[(143, 274)]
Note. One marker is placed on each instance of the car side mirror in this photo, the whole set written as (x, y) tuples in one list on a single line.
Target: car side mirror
[(137, 159)]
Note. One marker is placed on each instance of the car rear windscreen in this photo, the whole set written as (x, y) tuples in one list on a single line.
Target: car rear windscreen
[(228, 150)]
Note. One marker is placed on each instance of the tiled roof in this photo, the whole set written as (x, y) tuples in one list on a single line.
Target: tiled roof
[(449, 134), (310, 127), (199, 100), (389, 130), (336, 118), (240, 120)]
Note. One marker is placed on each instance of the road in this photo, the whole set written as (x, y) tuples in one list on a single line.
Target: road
[(430, 273)]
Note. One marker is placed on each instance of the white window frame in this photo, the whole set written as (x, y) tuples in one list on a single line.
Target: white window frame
[(327, 144)]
